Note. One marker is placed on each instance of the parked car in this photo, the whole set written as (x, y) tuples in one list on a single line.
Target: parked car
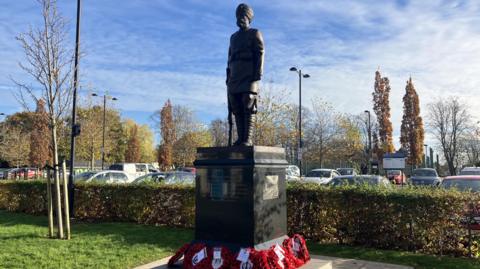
[(20, 173), (107, 176), (151, 178), (292, 173), (425, 176), (462, 183), (320, 176), (397, 176), (179, 177), (470, 171), (466, 183), (134, 170), (192, 170), (347, 171), (360, 180)]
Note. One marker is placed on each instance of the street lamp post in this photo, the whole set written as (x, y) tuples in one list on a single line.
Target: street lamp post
[(369, 129), (105, 96), (425, 154), (300, 143), (75, 128)]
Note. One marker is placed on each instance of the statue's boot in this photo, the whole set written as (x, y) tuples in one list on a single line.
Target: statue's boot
[(240, 128), (248, 132)]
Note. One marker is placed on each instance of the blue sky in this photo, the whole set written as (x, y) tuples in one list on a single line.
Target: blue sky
[(145, 51)]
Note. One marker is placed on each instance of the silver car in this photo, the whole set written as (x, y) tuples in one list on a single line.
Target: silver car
[(109, 177), (425, 176)]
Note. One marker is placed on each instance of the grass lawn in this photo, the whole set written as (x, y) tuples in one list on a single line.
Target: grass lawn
[(24, 244)]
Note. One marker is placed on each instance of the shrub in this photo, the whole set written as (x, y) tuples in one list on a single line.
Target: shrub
[(423, 219)]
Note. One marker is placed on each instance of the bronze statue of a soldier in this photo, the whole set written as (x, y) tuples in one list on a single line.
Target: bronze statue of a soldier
[(244, 72)]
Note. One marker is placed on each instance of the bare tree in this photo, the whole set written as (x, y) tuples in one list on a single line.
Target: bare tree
[(321, 132), (449, 122), (49, 63)]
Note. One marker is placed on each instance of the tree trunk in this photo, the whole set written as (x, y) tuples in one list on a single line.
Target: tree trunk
[(58, 202)]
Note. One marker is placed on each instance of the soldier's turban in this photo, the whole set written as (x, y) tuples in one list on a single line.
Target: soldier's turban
[(244, 9)]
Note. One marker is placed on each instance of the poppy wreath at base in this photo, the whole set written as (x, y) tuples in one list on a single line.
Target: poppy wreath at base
[(293, 253), (297, 249)]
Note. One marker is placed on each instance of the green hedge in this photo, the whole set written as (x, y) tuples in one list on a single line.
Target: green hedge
[(422, 219)]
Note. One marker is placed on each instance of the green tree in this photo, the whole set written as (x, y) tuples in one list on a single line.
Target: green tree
[(185, 148), (412, 132)]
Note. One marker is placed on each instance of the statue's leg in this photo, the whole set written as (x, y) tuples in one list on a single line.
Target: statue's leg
[(250, 108), (237, 110), (240, 130)]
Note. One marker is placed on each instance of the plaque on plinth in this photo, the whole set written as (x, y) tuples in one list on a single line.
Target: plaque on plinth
[(240, 196)]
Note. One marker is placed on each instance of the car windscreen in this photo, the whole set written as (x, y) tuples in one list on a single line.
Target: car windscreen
[(475, 172), (462, 184), (180, 178), (345, 171), (84, 176), (318, 173), (424, 173), (117, 167)]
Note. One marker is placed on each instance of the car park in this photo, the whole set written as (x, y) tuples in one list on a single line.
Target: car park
[(397, 177), (425, 176), (107, 176), (320, 176), (372, 180)]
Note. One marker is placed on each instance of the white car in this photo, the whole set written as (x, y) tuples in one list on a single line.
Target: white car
[(292, 173), (115, 177), (472, 171), (321, 176)]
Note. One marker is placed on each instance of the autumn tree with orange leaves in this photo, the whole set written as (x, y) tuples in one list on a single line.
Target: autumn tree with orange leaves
[(381, 106), (167, 130), (412, 131)]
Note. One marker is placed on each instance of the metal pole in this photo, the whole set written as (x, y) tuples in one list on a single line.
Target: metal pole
[(74, 113), (425, 155), (103, 138), (300, 153), (369, 144)]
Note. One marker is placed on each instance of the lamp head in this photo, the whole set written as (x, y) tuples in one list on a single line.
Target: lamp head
[(294, 69)]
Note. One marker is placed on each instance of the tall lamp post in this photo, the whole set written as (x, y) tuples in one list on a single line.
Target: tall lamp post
[(369, 129), (75, 127), (300, 143), (425, 154), (105, 97)]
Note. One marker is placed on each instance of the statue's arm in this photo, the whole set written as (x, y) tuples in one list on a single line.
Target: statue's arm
[(258, 54)]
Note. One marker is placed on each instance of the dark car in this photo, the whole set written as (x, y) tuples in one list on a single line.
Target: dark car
[(347, 171), (466, 183), (371, 180), (425, 176)]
